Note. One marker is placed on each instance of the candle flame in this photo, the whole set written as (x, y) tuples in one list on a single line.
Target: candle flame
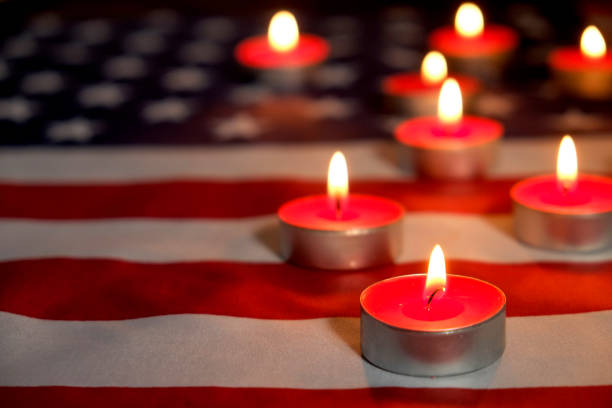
[(436, 272), (283, 32), (337, 179), (469, 21), (567, 164), (433, 68), (592, 43), (450, 105)]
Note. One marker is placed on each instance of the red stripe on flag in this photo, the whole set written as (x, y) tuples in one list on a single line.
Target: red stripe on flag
[(211, 199), (103, 397), (86, 289)]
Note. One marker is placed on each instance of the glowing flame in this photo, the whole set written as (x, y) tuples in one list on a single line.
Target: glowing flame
[(283, 32), (337, 178), (450, 105), (469, 21), (592, 43), (567, 164), (436, 272), (433, 68)]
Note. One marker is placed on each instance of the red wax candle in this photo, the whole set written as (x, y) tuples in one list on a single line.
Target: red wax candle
[(283, 47), (585, 71), (571, 212), (432, 325), (455, 148), (340, 230), (471, 46)]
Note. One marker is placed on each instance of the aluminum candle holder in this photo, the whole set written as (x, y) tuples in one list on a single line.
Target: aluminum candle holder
[(473, 48), (450, 160), (449, 146), (572, 226), (566, 211), (584, 72), (400, 343), (340, 230), (349, 244)]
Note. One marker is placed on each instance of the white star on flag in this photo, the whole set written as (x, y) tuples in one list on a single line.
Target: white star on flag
[(43, 82), (106, 95), (93, 32), (576, 120), (166, 110), (125, 67), (186, 79), (240, 126), (20, 47), (73, 130), (16, 109), (335, 76)]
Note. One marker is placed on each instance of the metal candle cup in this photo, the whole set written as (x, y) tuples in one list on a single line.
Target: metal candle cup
[(459, 332), (340, 230), (585, 72), (569, 211), (449, 147), (368, 233), (547, 218), (473, 48), (462, 152)]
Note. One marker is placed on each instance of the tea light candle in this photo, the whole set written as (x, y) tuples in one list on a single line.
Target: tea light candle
[(434, 324), (450, 146), (417, 93), (472, 48), (566, 212), (584, 72), (282, 56), (340, 230)]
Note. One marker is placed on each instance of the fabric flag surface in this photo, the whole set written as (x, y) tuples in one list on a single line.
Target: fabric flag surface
[(151, 277)]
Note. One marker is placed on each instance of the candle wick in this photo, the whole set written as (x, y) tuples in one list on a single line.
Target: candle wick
[(431, 298), (338, 208)]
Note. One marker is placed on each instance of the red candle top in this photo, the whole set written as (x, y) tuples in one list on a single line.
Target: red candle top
[(256, 52), (283, 47), (412, 83), (359, 211), (429, 132), (572, 59), (590, 56), (567, 192), (400, 302), (493, 40), (591, 195)]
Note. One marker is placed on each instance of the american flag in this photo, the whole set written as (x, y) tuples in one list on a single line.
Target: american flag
[(150, 275)]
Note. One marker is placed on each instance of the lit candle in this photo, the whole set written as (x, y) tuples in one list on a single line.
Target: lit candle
[(434, 324), (569, 211), (449, 146), (417, 93), (584, 72), (282, 56), (340, 230), (473, 48)]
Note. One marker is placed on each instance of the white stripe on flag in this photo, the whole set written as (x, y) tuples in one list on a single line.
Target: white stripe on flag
[(367, 159), (467, 237), (208, 350)]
